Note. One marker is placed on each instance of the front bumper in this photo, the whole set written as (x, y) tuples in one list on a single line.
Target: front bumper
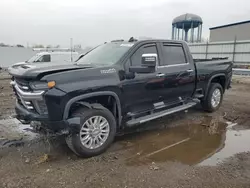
[(23, 114), (69, 125), (30, 106)]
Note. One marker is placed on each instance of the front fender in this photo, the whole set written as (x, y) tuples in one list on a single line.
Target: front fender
[(88, 95)]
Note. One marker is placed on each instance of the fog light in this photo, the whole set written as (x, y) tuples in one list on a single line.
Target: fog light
[(42, 108)]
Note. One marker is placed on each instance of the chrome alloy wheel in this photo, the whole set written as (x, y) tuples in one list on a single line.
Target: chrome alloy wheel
[(216, 98), (94, 132)]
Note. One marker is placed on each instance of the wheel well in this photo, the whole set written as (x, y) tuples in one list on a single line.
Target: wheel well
[(221, 80), (108, 101)]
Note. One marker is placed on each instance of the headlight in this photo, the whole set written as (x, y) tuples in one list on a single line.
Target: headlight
[(42, 85)]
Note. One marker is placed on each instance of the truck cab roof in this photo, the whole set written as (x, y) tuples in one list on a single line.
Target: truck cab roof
[(147, 40), (55, 53)]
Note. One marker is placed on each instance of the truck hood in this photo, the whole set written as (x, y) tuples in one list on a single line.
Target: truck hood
[(18, 64), (32, 71)]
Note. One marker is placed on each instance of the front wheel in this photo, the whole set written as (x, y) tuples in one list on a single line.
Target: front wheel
[(214, 98), (97, 132)]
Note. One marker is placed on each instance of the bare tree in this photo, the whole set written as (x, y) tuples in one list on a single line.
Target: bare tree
[(38, 46)]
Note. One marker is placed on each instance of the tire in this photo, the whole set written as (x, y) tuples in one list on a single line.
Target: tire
[(209, 104), (76, 141)]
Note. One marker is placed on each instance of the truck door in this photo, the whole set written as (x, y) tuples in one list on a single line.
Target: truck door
[(140, 92), (178, 73)]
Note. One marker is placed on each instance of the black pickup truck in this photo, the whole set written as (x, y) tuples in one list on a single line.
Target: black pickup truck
[(116, 85)]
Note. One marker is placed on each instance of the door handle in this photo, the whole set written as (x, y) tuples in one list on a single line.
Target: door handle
[(160, 75), (189, 70)]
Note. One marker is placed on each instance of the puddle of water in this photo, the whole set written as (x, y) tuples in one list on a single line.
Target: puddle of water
[(206, 143), (24, 130), (12, 129), (236, 142)]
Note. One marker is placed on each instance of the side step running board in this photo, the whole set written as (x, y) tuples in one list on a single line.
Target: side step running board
[(198, 96), (159, 114)]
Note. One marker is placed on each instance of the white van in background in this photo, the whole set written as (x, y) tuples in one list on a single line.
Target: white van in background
[(46, 57)]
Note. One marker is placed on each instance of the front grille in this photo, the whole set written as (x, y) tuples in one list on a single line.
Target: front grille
[(25, 103), (23, 84), (28, 99), (18, 98)]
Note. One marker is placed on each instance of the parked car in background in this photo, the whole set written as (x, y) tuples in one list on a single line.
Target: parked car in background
[(46, 57)]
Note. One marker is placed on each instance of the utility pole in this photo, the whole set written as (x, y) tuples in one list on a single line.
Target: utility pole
[(71, 49), (235, 42)]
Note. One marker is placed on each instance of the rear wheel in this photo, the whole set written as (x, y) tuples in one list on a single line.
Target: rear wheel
[(214, 98), (97, 132)]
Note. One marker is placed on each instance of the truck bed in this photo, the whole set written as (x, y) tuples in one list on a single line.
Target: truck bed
[(207, 68)]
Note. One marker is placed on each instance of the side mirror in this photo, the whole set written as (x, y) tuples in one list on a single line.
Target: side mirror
[(148, 64), (149, 60)]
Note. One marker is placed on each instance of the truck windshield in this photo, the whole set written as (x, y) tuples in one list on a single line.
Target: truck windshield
[(106, 54), (34, 58)]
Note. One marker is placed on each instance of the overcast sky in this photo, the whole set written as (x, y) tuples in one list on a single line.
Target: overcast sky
[(90, 22)]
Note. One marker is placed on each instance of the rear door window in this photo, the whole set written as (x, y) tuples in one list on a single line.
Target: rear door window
[(46, 58), (173, 55)]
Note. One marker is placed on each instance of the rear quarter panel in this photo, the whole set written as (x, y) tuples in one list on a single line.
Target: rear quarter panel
[(207, 70)]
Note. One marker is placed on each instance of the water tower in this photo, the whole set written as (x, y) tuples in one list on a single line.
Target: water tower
[(187, 27)]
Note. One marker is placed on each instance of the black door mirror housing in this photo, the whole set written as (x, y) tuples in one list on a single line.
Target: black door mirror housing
[(148, 64)]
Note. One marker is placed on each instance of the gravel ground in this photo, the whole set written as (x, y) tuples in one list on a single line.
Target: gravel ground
[(47, 162), (7, 99)]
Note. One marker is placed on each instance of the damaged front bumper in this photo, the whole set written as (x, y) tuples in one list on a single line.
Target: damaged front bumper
[(65, 126), (31, 107)]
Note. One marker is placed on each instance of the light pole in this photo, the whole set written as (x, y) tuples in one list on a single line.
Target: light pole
[(71, 49)]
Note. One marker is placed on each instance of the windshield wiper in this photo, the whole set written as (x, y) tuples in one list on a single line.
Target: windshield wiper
[(84, 64)]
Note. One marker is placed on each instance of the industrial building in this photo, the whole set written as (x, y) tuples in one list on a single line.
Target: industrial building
[(230, 32)]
